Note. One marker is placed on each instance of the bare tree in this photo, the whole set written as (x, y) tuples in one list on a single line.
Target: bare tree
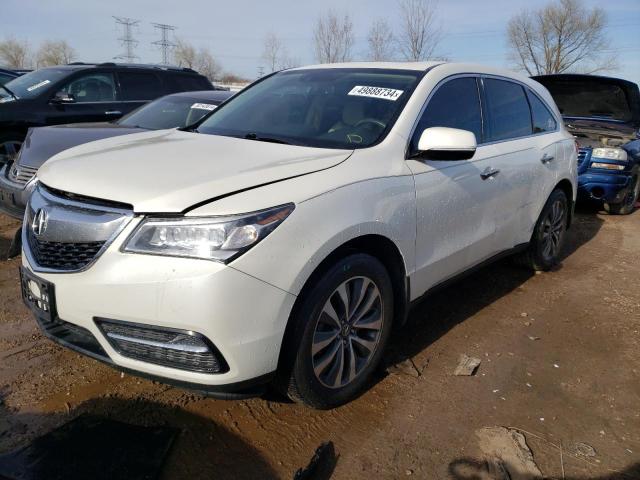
[(381, 41), (54, 53), (14, 53), (185, 54), (333, 38), (206, 64), (421, 30), (560, 37), (273, 51), (201, 60)]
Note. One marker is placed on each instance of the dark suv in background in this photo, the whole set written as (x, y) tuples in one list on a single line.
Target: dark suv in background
[(84, 93)]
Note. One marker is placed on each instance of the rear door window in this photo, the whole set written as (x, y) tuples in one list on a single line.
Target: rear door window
[(543, 120), (92, 88), (140, 86), (456, 104), (508, 110)]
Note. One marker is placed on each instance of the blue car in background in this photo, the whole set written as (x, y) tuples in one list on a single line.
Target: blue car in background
[(603, 114)]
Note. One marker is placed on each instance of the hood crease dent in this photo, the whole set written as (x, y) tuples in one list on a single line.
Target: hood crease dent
[(171, 171)]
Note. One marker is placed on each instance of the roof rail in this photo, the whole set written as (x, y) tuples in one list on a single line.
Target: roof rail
[(107, 64)]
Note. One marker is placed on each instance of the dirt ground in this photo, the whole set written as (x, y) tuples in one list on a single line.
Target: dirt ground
[(560, 362)]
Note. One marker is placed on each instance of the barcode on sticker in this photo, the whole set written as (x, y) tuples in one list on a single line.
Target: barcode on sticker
[(203, 106), (376, 92)]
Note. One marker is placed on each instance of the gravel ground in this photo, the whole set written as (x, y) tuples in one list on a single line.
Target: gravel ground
[(560, 363)]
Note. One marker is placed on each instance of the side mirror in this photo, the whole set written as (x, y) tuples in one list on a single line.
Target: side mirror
[(442, 143), (62, 97)]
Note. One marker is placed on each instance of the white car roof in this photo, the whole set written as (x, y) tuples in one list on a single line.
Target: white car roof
[(420, 66), (444, 69)]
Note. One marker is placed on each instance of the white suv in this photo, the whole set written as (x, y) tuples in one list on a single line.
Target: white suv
[(281, 238)]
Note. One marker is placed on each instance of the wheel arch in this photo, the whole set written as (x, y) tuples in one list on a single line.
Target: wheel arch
[(378, 246), (567, 188)]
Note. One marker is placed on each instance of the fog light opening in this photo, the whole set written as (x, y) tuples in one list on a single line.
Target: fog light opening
[(181, 349)]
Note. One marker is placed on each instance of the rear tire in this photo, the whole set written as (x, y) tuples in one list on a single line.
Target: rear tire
[(627, 205), (544, 249), (341, 329)]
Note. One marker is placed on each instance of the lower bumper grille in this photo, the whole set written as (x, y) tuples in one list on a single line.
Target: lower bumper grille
[(181, 349), (63, 256), (73, 336)]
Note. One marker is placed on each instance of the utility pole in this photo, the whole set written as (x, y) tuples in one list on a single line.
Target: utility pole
[(164, 43), (127, 40)]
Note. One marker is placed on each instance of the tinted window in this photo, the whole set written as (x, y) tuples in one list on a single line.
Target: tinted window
[(93, 87), (456, 104), (188, 83), (327, 108), (4, 78), (34, 83), (169, 112), (543, 120), (507, 110), (139, 86)]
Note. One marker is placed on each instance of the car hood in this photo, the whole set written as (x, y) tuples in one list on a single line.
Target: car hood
[(44, 142), (169, 171), (600, 133)]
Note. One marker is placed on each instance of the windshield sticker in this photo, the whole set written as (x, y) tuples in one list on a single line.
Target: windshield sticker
[(376, 92), (38, 85), (203, 106)]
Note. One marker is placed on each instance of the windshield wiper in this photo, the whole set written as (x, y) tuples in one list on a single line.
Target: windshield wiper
[(254, 136)]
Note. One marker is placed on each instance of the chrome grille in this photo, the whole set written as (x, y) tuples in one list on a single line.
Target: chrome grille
[(582, 155), (20, 174), (64, 235)]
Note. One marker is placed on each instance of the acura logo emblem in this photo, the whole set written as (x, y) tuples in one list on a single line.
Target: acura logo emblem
[(39, 222)]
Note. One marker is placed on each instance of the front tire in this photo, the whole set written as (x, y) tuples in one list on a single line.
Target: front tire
[(342, 327), (628, 204), (544, 249)]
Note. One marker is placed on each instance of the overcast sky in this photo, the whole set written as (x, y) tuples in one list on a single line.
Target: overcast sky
[(234, 30)]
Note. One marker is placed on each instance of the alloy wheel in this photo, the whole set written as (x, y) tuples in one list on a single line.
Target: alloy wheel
[(347, 332), (553, 227)]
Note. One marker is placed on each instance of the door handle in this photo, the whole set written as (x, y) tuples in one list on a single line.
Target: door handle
[(546, 158), (113, 112), (489, 173)]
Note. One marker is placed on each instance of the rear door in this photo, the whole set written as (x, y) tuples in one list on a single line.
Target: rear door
[(138, 88), (508, 130), (95, 99), (455, 200)]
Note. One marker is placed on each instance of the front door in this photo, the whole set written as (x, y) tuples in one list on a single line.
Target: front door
[(455, 200), (94, 99)]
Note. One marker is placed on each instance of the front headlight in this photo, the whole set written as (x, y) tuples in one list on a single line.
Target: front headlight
[(610, 154), (211, 238)]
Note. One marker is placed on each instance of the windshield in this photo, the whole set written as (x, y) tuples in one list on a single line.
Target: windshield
[(31, 84), (168, 112), (328, 108), (590, 98)]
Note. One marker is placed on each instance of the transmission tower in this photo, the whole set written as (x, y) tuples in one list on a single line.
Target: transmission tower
[(164, 43), (127, 40)]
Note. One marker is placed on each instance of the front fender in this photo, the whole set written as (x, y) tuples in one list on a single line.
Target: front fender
[(321, 224)]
